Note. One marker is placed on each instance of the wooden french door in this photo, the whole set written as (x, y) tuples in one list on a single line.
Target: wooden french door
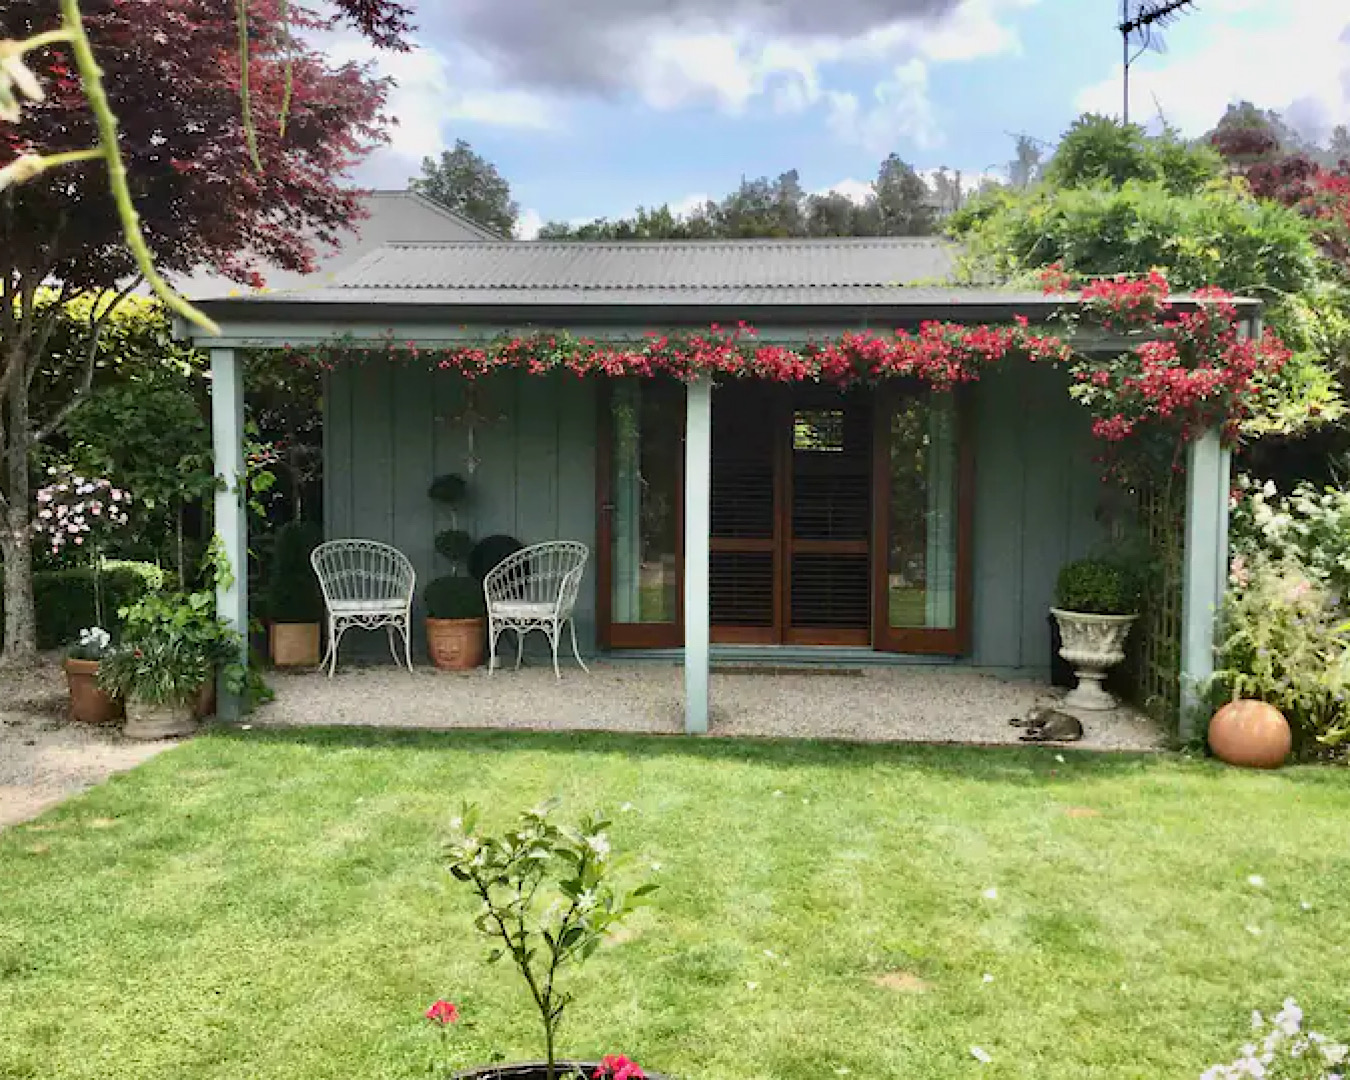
[(838, 518), (790, 559)]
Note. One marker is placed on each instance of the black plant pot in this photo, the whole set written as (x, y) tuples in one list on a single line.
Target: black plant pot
[(538, 1070)]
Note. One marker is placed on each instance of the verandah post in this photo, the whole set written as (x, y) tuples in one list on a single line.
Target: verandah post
[(1205, 569), (227, 440), (697, 529)]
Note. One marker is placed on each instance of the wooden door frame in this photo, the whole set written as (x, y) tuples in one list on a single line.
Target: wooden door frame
[(610, 634), (920, 640)]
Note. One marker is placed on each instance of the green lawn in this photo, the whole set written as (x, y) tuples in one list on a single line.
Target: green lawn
[(272, 907)]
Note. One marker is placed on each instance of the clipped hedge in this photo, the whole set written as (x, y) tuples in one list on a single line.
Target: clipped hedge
[(65, 598)]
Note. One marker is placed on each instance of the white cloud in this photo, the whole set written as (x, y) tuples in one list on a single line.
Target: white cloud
[(432, 89), (856, 190), (900, 107), (690, 203), (529, 224), (1295, 57)]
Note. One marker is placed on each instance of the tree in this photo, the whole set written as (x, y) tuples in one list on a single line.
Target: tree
[(1026, 167), (899, 204), (903, 203), (172, 73), (1102, 150), (469, 184)]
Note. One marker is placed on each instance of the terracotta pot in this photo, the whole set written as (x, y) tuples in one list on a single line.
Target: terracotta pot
[(204, 704), (295, 644), (1093, 644), (170, 720), (89, 704), (456, 644), (1251, 734), (538, 1070)]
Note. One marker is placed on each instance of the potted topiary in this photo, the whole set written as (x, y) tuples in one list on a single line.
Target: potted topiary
[(548, 900), (160, 678), (1096, 602), (294, 600), (89, 704), (455, 622)]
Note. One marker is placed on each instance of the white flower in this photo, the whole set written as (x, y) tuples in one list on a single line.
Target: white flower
[(1254, 930), (656, 866), (988, 978), (599, 844), (1290, 1018), (627, 808), (1305, 905), (991, 894), (777, 794), (1059, 758), (752, 986), (982, 1056), (1256, 881)]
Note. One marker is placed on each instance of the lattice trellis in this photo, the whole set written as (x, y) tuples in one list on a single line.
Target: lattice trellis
[(1157, 651)]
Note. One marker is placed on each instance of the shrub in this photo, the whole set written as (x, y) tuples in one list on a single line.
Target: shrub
[(1097, 587), (1282, 642), (1283, 1050), (454, 597), (65, 598), (489, 551), (293, 593), (454, 545), (157, 670), (1310, 526), (448, 488), (548, 899)]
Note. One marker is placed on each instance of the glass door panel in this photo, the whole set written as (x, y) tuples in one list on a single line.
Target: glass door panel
[(642, 513), (919, 606)]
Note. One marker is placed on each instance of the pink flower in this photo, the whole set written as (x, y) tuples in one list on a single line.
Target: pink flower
[(443, 1012), (618, 1067)]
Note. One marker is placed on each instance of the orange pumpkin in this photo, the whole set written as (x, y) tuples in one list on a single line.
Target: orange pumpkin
[(1251, 734)]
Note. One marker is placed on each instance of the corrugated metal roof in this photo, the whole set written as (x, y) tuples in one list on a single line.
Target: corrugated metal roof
[(724, 264)]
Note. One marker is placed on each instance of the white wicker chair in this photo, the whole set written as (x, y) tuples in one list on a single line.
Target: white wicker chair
[(535, 589), (368, 585)]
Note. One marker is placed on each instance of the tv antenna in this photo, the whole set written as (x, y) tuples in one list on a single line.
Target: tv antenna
[(1140, 23)]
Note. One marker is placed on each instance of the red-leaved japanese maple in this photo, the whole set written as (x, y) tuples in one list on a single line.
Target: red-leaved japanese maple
[(171, 69)]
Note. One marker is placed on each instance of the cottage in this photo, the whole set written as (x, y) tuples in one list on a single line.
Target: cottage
[(746, 517)]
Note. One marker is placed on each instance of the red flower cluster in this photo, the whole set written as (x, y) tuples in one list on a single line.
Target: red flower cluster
[(618, 1067), (941, 354), (443, 1012), (1123, 302)]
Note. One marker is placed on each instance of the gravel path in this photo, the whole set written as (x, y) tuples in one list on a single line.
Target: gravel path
[(901, 703), (43, 758)]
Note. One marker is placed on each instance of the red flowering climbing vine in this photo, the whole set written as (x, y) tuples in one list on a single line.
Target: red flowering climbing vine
[(1182, 371)]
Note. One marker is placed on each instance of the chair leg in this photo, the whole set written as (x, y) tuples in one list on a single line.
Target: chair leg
[(393, 645), (493, 633), (337, 644), (407, 642), (554, 633), (520, 647), (572, 625)]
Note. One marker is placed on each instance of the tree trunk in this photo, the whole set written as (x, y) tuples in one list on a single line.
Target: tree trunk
[(15, 535)]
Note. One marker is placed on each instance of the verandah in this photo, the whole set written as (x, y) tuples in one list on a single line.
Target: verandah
[(1180, 372)]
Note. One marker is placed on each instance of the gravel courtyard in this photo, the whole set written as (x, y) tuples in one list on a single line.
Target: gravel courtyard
[(900, 703), (43, 758)]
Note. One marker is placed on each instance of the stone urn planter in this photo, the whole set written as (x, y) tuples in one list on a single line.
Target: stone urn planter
[(456, 644), (1093, 644), (88, 703), (167, 720), (1250, 734)]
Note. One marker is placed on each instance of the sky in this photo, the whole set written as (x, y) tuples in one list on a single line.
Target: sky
[(591, 108)]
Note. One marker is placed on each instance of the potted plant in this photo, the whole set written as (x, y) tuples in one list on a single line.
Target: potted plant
[(455, 622), (294, 600), (89, 703), (548, 899), (1096, 602), (160, 678)]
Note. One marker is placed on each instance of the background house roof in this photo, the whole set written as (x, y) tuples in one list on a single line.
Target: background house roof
[(391, 217)]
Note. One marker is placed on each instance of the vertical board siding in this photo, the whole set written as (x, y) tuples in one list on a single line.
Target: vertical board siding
[(999, 473), (1036, 507), (389, 432), (338, 431)]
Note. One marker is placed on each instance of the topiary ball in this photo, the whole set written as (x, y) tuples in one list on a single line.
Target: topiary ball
[(454, 544), (448, 488), (454, 597), (489, 551)]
